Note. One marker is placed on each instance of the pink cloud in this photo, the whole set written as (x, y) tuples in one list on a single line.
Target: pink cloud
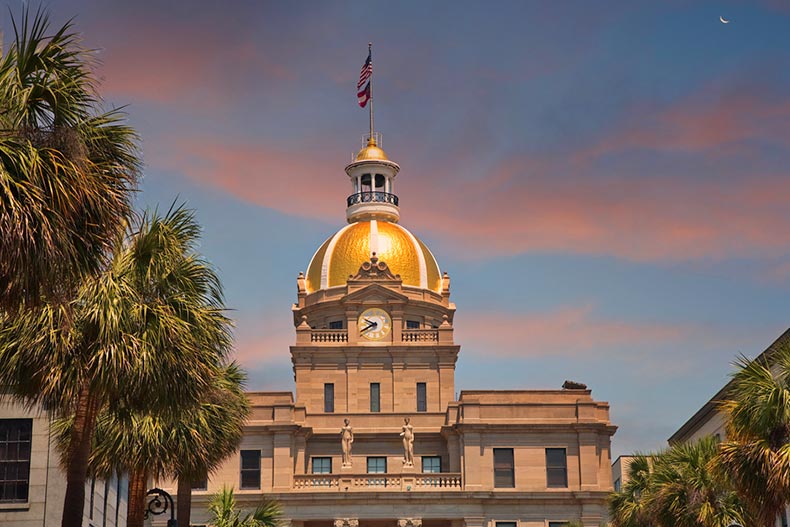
[(700, 123), (568, 331)]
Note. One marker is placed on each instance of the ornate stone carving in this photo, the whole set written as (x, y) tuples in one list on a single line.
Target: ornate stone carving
[(374, 270), (408, 443), (410, 522), (346, 522), (346, 440)]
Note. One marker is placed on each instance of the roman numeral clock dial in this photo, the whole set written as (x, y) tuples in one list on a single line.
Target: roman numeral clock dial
[(374, 324)]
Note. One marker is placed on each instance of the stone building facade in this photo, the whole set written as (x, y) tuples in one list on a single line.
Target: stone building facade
[(375, 434), (32, 484)]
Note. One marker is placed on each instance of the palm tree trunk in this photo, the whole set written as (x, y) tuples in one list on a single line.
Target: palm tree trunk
[(77, 460), (184, 501), (135, 513)]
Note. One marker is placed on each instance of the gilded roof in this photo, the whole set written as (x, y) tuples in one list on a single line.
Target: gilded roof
[(343, 253)]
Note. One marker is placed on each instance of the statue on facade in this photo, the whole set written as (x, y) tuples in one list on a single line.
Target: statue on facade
[(408, 443), (346, 439)]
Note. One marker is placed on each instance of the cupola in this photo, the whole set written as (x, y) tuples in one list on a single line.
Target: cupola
[(372, 176)]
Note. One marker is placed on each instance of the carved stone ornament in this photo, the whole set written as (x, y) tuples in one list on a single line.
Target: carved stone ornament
[(410, 522), (347, 522), (374, 270)]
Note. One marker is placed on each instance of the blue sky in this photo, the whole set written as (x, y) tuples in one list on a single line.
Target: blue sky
[(606, 182)]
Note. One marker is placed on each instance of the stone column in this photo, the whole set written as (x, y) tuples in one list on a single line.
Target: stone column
[(588, 461), (283, 461)]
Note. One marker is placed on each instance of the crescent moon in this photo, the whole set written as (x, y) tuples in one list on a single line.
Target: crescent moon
[(724, 20)]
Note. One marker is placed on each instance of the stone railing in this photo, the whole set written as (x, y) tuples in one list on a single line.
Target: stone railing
[(316, 481), (377, 482), (438, 481), (420, 335), (329, 335)]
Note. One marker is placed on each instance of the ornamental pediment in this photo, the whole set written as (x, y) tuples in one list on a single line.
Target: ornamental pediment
[(375, 292)]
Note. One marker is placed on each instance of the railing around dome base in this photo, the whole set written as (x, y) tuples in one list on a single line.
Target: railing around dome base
[(378, 482), (329, 335), (420, 335), (372, 197)]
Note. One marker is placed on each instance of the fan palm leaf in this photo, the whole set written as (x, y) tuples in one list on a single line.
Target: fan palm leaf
[(151, 325), (224, 513), (757, 451), (67, 168)]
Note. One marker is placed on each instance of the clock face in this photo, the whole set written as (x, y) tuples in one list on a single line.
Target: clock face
[(374, 324)]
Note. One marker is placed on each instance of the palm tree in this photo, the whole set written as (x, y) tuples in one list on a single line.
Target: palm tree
[(630, 506), (149, 441), (205, 437), (224, 514), (688, 490), (756, 453), (67, 168), (151, 325)]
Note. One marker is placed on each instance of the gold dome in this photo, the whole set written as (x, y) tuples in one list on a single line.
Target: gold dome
[(371, 153), (343, 253)]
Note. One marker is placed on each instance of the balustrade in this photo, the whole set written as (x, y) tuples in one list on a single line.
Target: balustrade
[(329, 335), (377, 482), (420, 335)]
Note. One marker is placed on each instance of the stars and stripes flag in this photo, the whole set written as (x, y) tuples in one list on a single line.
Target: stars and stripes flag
[(363, 86)]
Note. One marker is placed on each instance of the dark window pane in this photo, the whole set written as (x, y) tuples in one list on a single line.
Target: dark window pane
[(375, 397), (505, 524), (412, 324), (322, 465), (15, 438), (336, 324), (329, 398), (558, 524), (377, 465), (431, 464), (201, 484), (504, 473), (556, 467), (250, 469), (422, 401)]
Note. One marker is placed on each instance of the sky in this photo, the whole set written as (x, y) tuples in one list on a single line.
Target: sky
[(607, 183)]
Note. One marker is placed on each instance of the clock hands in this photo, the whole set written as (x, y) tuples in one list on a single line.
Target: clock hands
[(371, 325)]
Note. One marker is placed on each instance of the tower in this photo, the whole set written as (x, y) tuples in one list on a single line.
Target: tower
[(373, 317)]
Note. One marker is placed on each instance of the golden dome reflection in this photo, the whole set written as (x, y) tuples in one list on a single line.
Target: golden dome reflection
[(371, 152), (343, 253)]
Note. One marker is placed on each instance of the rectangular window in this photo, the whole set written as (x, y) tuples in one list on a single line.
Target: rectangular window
[(556, 468), (422, 398), (15, 438), (431, 464), (412, 324), (336, 324), (322, 465), (504, 473), (558, 524), (375, 397), (200, 484), (377, 465), (617, 485), (250, 469), (329, 398), (505, 524)]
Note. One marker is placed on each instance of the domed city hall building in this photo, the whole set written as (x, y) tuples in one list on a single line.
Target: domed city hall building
[(375, 435)]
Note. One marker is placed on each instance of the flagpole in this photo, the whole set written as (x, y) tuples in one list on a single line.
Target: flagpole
[(371, 140)]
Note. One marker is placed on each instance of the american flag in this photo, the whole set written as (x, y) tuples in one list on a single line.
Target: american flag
[(363, 86)]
